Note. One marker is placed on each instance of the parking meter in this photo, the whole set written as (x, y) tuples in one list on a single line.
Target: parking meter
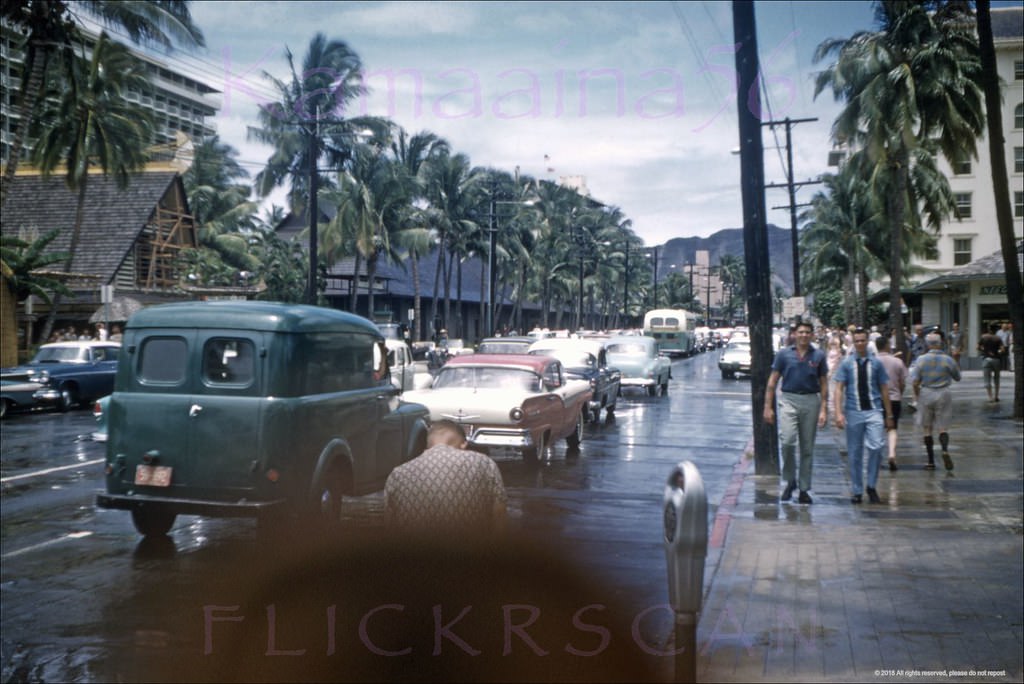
[(686, 548)]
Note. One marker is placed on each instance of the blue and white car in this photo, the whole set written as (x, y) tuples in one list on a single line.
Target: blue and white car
[(70, 373)]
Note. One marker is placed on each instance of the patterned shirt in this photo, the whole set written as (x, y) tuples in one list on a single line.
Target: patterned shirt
[(935, 369), (445, 488)]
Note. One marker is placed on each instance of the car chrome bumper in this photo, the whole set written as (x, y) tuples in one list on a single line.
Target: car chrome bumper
[(213, 509), (637, 382), (501, 437), (47, 396)]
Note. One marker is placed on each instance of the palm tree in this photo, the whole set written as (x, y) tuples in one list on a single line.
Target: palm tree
[(913, 81), (50, 29), (308, 129), (1007, 241), (23, 265), (219, 202), (90, 121)]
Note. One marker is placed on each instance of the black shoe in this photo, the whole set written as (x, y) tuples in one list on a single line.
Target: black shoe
[(873, 496), (856, 498), (787, 493), (805, 498), (947, 460), (930, 465), (892, 465)]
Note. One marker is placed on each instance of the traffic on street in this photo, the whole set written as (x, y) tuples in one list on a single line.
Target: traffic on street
[(87, 599)]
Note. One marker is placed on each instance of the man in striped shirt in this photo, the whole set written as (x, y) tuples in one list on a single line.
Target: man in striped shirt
[(931, 375)]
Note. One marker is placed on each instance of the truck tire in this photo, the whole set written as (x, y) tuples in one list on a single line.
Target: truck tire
[(152, 523)]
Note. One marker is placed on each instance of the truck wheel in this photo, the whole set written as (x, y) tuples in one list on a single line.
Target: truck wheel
[(652, 390), (576, 436), (68, 397), (150, 523), (329, 498), (536, 453), (728, 374)]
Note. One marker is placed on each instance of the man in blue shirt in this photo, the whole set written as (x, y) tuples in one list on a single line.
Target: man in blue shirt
[(862, 391), (803, 370)]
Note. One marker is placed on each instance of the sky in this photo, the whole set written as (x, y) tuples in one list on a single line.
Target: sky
[(635, 97)]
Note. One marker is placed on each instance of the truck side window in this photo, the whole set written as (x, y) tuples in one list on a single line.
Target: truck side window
[(163, 360)]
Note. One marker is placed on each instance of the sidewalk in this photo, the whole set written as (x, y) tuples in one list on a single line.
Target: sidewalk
[(926, 586)]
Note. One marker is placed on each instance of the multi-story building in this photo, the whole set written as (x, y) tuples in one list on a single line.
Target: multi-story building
[(965, 283), (179, 102)]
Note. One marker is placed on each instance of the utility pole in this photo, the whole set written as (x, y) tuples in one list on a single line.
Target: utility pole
[(794, 237), (314, 214), (755, 230)]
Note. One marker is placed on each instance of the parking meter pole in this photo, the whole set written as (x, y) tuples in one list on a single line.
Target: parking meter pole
[(686, 647), (686, 548)]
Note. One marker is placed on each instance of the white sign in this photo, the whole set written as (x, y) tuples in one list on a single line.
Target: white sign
[(106, 294), (412, 314)]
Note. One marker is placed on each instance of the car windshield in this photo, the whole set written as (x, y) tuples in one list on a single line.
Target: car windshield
[(503, 347), (61, 355), (635, 348), (482, 377), (570, 358), (738, 347)]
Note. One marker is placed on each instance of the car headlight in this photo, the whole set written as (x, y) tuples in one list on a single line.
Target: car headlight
[(516, 414)]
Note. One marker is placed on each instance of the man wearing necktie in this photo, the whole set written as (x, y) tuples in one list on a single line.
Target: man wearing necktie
[(863, 408)]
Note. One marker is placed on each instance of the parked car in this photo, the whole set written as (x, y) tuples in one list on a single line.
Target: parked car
[(641, 363), (69, 373), (513, 401), (735, 359), (406, 374), (17, 395), (252, 409), (505, 345), (100, 413), (586, 360)]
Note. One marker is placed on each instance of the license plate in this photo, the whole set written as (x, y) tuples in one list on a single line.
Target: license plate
[(153, 476)]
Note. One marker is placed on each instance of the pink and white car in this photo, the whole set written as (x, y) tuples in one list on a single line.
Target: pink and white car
[(515, 401)]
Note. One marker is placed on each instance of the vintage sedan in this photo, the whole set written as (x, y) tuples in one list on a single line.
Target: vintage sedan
[(17, 395), (735, 359), (586, 360), (512, 344), (514, 401), (71, 373), (641, 363)]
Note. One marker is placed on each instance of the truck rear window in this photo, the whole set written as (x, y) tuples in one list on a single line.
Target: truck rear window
[(228, 361), (162, 360)]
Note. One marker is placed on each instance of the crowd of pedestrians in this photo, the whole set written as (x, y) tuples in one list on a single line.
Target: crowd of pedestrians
[(856, 377)]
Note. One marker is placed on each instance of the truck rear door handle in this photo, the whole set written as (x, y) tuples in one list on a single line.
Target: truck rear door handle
[(194, 410)]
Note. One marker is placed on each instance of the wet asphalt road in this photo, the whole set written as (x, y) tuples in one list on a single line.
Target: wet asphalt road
[(85, 600)]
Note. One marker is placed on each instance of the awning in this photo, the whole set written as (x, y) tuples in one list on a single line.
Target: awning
[(119, 310)]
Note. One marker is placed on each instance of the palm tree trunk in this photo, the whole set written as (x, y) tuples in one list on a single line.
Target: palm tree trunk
[(484, 303), (354, 294), (417, 304), (895, 208), (371, 272), (437, 275)]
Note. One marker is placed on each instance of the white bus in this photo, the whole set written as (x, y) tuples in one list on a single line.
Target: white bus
[(674, 329)]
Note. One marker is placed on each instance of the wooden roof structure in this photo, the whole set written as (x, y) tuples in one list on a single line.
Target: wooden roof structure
[(130, 237)]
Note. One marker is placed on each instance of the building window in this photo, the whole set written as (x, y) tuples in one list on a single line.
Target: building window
[(1018, 116), (1018, 159), (1018, 70), (1018, 204), (963, 204), (962, 167), (961, 251)]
